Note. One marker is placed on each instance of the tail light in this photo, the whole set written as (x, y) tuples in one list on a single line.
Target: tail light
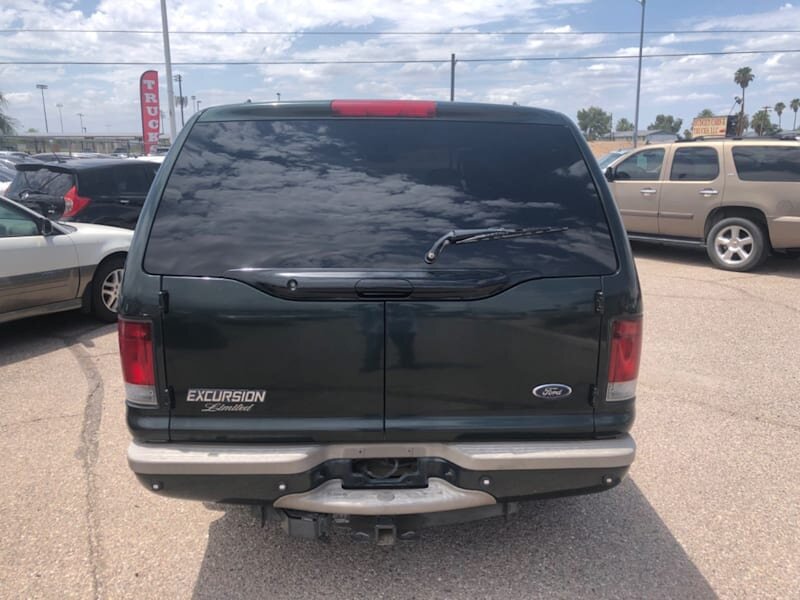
[(73, 203), (138, 367), (383, 108), (623, 366)]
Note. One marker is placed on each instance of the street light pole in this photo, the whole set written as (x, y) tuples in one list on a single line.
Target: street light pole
[(59, 106), (279, 96), (639, 77), (452, 77), (80, 116), (194, 104), (179, 79), (168, 62), (43, 87)]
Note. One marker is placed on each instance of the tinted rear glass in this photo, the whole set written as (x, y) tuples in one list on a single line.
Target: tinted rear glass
[(767, 163), (116, 180), (41, 181), (376, 194)]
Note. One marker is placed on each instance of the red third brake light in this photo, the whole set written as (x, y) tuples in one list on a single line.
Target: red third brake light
[(623, 366), (73, 203), (383, 108), (136, 353)]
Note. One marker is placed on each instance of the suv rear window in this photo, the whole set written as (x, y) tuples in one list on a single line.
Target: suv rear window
[(767, 163), (41, 181), (376, 194)]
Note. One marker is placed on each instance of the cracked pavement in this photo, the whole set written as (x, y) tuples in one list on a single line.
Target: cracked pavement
[(710, 508)]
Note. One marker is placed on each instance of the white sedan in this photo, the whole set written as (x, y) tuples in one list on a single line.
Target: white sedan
[(49, 267)]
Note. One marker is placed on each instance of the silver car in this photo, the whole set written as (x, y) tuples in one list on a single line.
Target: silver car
[(50, 267)]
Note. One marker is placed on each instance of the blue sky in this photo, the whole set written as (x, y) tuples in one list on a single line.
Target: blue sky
[(108, 95)]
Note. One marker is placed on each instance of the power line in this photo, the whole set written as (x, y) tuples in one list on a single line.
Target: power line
[(406, 33), (397, 61)]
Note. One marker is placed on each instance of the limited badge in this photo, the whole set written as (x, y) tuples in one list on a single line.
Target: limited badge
[(226, 400), (552, 391)]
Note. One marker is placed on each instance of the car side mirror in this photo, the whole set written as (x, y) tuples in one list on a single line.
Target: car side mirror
[(609, 174), (46, 227)]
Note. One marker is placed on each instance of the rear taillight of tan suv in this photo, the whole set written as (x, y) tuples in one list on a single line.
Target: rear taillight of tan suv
[(138, 365), (623, 366)]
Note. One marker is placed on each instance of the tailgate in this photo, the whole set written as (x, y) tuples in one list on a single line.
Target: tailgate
[(468, 370), (242, 365)]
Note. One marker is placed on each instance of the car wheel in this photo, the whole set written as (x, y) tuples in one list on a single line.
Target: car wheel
[(106, 287), (736, 244)]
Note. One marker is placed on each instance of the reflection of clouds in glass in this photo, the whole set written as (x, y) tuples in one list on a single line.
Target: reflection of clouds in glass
[(367, 194)]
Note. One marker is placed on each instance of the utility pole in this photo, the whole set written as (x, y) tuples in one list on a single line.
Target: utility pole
[(80, 116), (179, 79), (639, 77), (43, 87), (168, 62), (59, 106), (452, 77)]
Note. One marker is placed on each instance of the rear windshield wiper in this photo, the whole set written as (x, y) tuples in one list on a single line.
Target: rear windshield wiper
[(467, 236)]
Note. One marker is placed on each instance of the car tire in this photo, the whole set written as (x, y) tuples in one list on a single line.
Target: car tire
[(736, 244), (106, 287)]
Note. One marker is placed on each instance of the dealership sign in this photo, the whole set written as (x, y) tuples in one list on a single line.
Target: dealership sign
[(710, 126), (151, 111)]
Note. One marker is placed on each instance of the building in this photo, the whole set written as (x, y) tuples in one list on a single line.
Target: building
[(35, 143)]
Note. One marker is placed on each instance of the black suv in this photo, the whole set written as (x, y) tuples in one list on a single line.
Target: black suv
[(399, 313), (92, 190)]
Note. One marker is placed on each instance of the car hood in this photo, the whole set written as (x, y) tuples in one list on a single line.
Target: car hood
[(93, 228)]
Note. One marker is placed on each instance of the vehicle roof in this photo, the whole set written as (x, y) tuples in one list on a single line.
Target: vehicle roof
[(75, 165), (757, 141), (323, 109)]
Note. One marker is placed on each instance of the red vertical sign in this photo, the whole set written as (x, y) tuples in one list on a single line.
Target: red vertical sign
[(151, 111)]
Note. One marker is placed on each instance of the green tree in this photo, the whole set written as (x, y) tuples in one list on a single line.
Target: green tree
[(7, 124), (795, 105), (761, 122), (687, 134), (706, 112), (666, 123), (742, 78), (624, 125), (779, 108), (594, 122)]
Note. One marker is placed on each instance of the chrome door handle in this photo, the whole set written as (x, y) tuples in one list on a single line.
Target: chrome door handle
[(648, 191), (708, 192), (124, 201)]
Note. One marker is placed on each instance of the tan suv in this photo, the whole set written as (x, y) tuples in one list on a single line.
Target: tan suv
[(738, 198)]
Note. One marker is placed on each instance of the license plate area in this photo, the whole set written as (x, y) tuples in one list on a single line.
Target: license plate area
[(378, 473)]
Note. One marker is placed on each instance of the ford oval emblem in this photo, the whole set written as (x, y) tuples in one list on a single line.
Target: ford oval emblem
[(552, 391)]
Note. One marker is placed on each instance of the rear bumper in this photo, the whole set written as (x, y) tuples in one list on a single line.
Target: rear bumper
[(310, 477)]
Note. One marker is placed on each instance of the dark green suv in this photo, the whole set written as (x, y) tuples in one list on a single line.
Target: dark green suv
[(399, 313)]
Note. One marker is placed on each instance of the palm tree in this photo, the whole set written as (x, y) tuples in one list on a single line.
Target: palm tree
[(761, 122), (779, 108), (742, 78), (6, 122), (795, 106)]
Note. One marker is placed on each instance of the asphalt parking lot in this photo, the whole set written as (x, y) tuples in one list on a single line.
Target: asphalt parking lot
[(710, 508)]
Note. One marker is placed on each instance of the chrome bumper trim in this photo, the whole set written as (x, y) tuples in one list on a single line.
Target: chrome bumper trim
[(282, 459)]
